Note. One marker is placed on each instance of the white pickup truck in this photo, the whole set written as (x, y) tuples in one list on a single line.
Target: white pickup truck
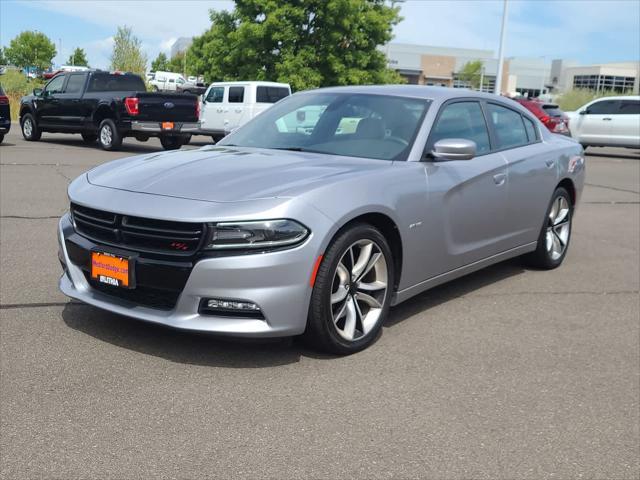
[(228, 105)]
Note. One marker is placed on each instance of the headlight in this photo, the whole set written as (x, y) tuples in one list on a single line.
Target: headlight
[(252, 235)]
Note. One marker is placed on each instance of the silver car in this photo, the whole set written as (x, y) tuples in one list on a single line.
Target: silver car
[(321, 213)]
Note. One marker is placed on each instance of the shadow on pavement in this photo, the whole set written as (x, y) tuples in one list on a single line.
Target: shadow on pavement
[(127, 147), (632, 155), (214, 351)]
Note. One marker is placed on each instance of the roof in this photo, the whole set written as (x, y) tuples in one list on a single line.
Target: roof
[(252, 82), (416, 91)]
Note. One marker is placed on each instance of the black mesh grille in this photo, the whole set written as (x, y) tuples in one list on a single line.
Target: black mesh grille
[(140, 234), (147, 296)]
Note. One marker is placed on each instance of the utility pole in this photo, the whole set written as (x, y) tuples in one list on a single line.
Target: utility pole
[(503, 32)]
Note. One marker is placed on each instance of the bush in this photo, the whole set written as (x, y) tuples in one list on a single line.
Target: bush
[(16, 85), (573, 99)]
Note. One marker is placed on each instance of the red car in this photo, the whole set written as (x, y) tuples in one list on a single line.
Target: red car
[(548, 113)]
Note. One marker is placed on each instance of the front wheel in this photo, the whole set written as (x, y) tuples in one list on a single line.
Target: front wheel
[(108, 136), (352, 292), (30, 130), (553, 241), (171, 143)]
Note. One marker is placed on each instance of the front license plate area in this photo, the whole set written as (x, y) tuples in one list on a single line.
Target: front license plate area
[(111, 269), (168, 125)]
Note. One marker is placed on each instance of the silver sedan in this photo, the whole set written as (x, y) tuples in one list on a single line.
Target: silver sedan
[(321, 213)]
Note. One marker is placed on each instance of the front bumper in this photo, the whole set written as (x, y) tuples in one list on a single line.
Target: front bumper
[(278, 282), (156, 127)]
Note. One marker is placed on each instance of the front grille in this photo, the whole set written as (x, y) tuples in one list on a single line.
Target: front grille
[(140, 234)]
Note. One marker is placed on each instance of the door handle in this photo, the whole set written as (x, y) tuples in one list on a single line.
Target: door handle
[(606, 119), (238, 110), (499, 178), (550, 162)]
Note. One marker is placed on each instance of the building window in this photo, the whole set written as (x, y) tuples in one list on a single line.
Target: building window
[(604, 82)]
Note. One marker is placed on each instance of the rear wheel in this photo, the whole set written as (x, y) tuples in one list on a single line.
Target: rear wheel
[(30, 130), (553, 241), (171, 143), (352, 292), (89, 137), (108, 136)]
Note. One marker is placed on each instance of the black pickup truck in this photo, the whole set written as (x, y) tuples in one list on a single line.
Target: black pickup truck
[(107, 107)]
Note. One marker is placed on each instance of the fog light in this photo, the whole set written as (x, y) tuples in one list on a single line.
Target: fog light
[(232, 305)]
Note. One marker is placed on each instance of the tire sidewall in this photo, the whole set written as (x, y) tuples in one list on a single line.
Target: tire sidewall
[(550, 262), (320, 305), (28, 118), (114, 135)]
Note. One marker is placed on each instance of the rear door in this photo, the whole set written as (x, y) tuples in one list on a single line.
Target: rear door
[(625, 124), (71, 102), (594, 122)]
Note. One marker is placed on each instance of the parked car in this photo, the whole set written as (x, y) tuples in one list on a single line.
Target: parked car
[(228, 105), (108, 107), (5, 114), (608, 122), (549, 114), (278, 232), (167, 82)]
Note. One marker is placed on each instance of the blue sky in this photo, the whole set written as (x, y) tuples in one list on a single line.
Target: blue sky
[(589, 31)]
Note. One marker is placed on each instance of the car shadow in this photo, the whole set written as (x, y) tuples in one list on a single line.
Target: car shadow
[(205, 349), (632, 155), (127, 147), (454, 289)]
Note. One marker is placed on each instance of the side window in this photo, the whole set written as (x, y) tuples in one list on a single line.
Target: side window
[(532, 131), (172, 80), (604, 107), (508, 126), (55, 85), (629, 107), (75, 83), (215, 95), (462, 120), (236, 94)]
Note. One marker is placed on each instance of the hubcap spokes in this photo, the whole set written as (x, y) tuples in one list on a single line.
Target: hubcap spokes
[(558, 228), (359, 290), (28, 128), (105, 135)]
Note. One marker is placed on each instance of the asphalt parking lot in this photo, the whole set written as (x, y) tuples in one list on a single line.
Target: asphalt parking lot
[(508, 373)]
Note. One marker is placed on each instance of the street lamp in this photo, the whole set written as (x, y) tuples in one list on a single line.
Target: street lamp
[(498, 87)]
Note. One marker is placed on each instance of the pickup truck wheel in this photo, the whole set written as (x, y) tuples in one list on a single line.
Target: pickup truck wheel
[(108, 136), (171, 143), (89, 137), (186, 140), (30, 130)]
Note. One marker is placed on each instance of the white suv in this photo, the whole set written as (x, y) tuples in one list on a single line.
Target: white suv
[(607, 122), (228, 105)]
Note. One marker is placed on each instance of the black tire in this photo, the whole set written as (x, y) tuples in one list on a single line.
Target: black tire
[(1, 137), (29, 127), (171, 143), (545, 256), (186, 140), (322, 332), (108, 136), (89, 137)]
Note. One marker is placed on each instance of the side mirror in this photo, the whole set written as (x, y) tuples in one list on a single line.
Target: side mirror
[(37, 92), (583, 112), (454, 149)]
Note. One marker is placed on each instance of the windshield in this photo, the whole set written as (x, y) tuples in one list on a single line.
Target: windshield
[(353, 124)]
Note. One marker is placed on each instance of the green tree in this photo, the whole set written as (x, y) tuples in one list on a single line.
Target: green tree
[(3, 60), (178, 64), (78, 57), (471, 73), (31, 49), (160, 63), (127, 53), (307, 43)]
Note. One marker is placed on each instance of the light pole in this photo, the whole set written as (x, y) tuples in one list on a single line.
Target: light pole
[(505, 11)]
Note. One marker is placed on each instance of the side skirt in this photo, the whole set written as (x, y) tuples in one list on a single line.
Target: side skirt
[(407, 293)]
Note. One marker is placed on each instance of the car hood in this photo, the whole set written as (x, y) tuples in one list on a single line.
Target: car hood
[(226, 174)]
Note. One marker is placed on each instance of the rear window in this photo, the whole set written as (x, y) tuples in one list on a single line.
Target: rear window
[(552, 110), (108, 82), (271, 94), (627, 107), (75, 83), (236, 94)]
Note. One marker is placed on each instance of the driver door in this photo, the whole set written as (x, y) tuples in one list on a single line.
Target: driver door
[(467, 199), (49, 107)]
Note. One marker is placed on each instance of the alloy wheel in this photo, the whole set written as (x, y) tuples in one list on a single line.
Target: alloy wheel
[(27, 127), (558, 228), (106, 135), (359, 290)]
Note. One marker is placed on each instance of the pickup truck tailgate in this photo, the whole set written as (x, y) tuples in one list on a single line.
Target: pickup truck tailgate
[(163, 107)]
